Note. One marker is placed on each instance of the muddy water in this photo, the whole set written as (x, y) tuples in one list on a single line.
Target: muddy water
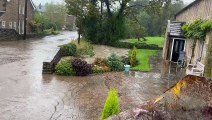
[(26, 94)]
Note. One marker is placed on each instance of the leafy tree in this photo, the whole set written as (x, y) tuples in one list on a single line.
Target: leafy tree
[(97, 24), (40, 22), (153, 15), (57, 14), (78, 8)]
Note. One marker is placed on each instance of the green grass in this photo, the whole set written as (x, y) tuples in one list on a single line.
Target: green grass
[(150, 40), (143, 56)]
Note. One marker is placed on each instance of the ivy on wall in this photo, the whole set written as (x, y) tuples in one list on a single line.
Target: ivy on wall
[(197, 31)]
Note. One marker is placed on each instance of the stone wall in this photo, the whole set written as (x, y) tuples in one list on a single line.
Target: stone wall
[(200, 9), (13, 16), (8, 34), (50, 63), (208, 58), (3, 5)]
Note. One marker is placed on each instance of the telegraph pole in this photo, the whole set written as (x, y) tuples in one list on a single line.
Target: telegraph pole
[(25, 20)]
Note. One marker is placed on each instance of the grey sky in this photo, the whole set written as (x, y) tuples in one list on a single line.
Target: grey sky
[(37, 2)]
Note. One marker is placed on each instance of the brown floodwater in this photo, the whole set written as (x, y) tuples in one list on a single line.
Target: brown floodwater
[(26, 94)]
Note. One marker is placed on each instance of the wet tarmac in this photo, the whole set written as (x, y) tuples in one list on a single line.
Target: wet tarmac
[(26, 94)]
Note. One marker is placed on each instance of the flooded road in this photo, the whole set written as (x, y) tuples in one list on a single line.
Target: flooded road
[(26, 94)]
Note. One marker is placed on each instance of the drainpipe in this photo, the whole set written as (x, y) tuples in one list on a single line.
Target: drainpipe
[(25, 20), (202, 51)]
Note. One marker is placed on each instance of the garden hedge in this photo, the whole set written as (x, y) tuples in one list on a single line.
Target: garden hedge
[(137, 45)]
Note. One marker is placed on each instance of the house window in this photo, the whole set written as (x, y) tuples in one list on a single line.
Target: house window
[(10, 25), (14, 25), (3, 24), (21, 9)]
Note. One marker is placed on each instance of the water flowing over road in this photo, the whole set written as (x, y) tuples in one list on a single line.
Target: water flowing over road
[(26, 94)]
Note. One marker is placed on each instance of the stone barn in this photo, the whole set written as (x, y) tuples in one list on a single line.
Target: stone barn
[(175, 42)]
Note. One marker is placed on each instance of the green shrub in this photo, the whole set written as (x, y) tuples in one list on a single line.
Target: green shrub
[(137, 45), (100, 66), (84, 48), (64, 68), (100, 61), (115, 63), (100, 69), (69, 49), (82, 68), (133, 60), (111, 106)]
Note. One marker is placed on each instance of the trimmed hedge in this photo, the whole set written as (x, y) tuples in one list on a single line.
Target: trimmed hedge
[(137, 45)]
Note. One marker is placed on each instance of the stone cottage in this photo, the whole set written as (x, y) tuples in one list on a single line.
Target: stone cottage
[(175, 41), (2, 6), (14, 14)]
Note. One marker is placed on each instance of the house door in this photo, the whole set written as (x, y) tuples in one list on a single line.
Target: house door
[(177, 46)]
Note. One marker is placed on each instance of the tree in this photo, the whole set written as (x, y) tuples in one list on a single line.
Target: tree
[(40, 22), (95, 23), (57, 14), (153, 15), (78, 9)]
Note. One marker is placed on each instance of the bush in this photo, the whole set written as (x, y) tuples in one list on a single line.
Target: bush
[(137, 45), (100, 62), (115, 63), (82, 68), (101, 69), (111, 106), (64, 68), (125, 60), (69, 49), (133, 59), (100, 65)]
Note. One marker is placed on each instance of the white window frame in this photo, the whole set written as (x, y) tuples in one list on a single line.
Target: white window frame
[(20, 9), (3, 24), (23, 27), (173, 46), (11, 25), (19, 27), (14, 25), (23, 10)]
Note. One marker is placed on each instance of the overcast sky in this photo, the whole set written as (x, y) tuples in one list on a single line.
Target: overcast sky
[(37, 2)]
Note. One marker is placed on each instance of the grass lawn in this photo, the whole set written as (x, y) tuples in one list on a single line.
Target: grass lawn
[(150, 40), (143, 57)]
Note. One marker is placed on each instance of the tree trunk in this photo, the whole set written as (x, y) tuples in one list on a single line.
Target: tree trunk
[(193, 50)]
